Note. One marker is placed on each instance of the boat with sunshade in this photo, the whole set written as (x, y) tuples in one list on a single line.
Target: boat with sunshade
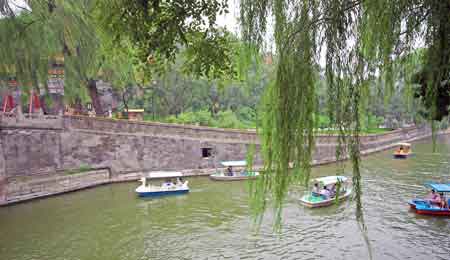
[(234, 171), (403, 151), (168, 187), (437, 203), (325, 190)]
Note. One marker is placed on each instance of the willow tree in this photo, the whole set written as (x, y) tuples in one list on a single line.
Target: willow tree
[(35, 33), (354, 42), (129, 38)]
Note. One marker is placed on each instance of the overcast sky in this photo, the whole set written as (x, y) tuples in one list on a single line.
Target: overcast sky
[(230, 20)]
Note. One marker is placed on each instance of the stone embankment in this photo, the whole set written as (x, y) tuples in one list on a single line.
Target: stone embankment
[(50, 155)]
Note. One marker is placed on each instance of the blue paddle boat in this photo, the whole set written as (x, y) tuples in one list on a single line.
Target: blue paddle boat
[(438, 207), (168, 187)]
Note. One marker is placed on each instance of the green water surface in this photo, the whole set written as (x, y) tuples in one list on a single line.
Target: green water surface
[(212, 221)]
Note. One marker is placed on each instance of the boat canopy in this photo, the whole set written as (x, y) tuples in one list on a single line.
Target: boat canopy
[(135, 110), (234, 163), (439, 187), (162, 174), (403, 144), (330, 180)]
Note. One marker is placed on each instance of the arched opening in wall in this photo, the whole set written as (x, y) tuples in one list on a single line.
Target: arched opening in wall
[(207, 152)]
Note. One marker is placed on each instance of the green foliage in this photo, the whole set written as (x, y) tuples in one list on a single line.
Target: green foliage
[(202, 118), (228, 119), (250, 157), (323, 121), (81, 169), (361, 40), (159, 30), (223, 119)]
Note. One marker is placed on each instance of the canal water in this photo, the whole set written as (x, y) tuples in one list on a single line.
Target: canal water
[(212, 222)]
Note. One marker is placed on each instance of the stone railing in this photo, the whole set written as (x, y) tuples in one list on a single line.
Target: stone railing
[(30, 121), (181, 131), (159, 129), (325, 151), (216, 134)]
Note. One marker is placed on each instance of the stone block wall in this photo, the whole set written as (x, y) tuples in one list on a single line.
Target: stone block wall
[(125, 153), (31, 151), (31, 121), (29, 187), (34, 155)]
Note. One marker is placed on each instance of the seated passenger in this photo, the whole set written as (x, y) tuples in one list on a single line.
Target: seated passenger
[(443, 204), (433, 197), (325, 192), (230, 171), (316, 190), (333, 190)]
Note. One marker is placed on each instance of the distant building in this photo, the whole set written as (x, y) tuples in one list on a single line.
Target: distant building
[(136, 114)]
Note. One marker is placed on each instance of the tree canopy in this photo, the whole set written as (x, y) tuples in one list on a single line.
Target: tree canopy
[(120, 41)]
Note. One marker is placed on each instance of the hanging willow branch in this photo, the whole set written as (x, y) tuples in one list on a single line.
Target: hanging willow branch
[(360, 41)]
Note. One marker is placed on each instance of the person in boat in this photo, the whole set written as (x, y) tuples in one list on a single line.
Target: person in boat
[(230, 171), (325, 192), (333, 190), (443, 203), (316, 190), (434, 198), (180, 181)]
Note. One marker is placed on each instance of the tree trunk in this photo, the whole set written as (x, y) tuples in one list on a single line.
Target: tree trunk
[(125, 104), (19, 112), (93, 93), (44, 105)]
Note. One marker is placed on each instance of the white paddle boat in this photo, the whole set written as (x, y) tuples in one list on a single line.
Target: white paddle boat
[(233, 174), (168, 187)]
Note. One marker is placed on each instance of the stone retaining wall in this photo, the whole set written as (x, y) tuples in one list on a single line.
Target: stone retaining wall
[(160, 129), (35, 157), (30, 187)]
